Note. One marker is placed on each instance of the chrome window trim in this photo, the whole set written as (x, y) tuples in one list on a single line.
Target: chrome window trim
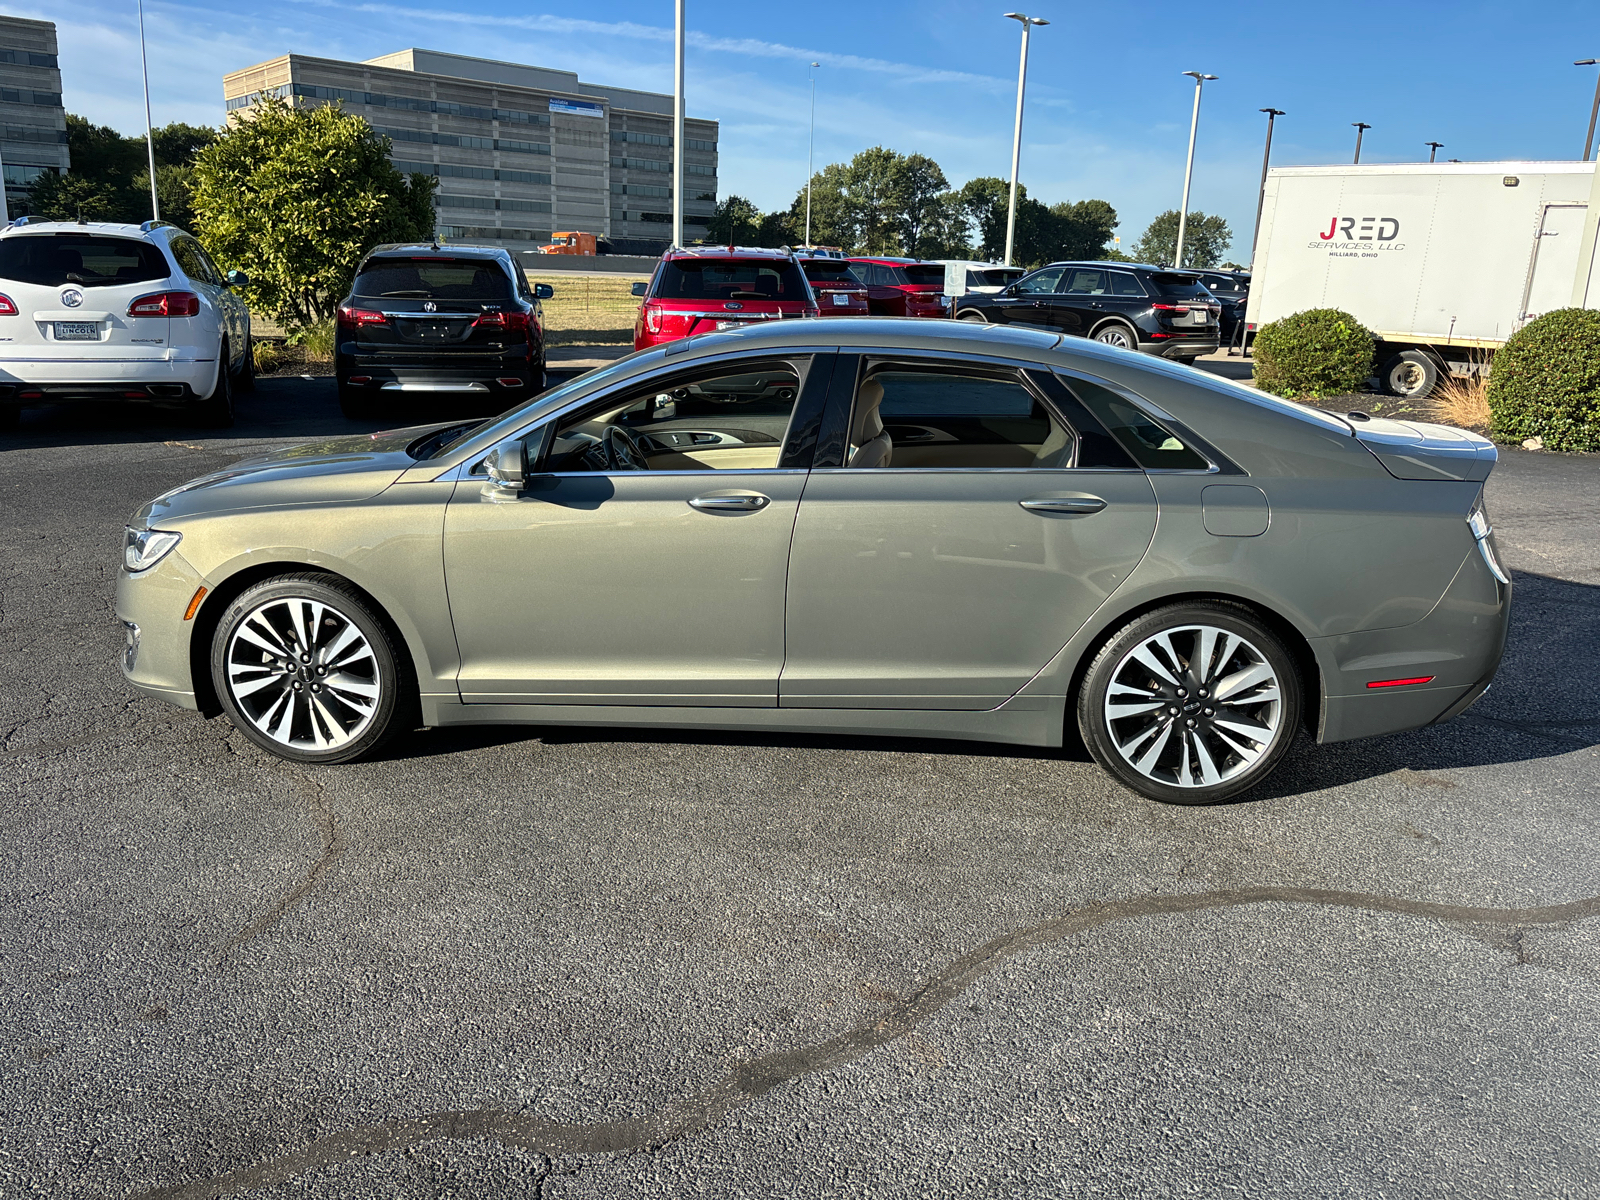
[(1075, 472), (485, 439)]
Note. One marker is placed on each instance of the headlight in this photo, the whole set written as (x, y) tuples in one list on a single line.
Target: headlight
[(144, 548)]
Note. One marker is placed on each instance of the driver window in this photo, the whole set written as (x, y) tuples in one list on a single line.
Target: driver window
[(1040, 282), (733, 420)]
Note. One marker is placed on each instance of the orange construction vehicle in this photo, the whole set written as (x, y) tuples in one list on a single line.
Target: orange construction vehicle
[(571, 243)]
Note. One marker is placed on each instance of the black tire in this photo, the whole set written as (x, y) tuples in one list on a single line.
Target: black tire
[(1177, 772), (216, 410), (356, 403), (246, 379), (540, 379), (1411, 374), (314, 707), (1115, 333), (10, 417), (974, 316)]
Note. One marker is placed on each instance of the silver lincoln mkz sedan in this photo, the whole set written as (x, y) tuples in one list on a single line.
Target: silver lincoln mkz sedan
[(887, 527)]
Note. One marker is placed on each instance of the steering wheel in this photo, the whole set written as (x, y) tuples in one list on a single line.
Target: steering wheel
[(621, 451)]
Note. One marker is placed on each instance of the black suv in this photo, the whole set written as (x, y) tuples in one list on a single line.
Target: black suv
[(428, 318), (1154, 309), (1232, 290)]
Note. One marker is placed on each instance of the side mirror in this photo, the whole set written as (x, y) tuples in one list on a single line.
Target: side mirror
[(507, 465), (237, 279), (1012, 290), (640, 289), (543, 291)]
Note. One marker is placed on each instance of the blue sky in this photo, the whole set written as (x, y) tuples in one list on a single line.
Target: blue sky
[(1108, 110)]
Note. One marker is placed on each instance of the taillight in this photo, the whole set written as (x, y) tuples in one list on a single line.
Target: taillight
[(356, 317), (652, 318), (8, 307), (1177, 308), (504, 320), (166, 304)]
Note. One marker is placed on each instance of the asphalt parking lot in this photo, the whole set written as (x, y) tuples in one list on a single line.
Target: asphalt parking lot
[(561, 963)]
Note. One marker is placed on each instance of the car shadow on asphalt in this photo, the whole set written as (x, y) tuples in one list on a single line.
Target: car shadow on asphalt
[(1538, 708)]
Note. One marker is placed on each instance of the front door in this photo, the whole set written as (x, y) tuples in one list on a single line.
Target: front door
[(1031, 300), (948, 577), (644, 560)]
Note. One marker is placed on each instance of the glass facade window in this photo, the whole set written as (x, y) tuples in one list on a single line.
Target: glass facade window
[(699, 144), (28, 58), (697, 169), (643, 139), (494, 232)]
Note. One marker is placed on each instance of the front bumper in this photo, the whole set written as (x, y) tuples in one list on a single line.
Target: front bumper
[(154, 601), (1459, 644)]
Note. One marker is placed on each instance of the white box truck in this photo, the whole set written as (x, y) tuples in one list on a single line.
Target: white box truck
[(1442, 261)]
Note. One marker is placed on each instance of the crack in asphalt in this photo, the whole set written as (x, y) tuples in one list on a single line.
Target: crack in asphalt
[(333, 845), (755, 1078)]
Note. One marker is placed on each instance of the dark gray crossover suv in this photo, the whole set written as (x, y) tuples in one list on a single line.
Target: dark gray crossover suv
[(893, 526), (1132, 305), (460, 320)]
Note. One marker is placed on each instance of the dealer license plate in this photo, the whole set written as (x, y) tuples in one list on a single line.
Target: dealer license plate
[(1199, 316), (840, 300), (77, 331), (732, 324)]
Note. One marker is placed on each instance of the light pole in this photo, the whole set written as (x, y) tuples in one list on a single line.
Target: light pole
[(1016, 138), (1361, 127), (1433, 149), (1261, 199), (811, 146), (1588, 142), (1188, 171), (149, 137), (677, 135)]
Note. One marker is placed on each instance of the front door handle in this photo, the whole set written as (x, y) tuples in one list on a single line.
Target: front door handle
[(750, 502), (1073, 506)]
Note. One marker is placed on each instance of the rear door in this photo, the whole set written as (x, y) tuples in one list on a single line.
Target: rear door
[(1082, 302), (1555, 260), (72, 292), (949, 577)]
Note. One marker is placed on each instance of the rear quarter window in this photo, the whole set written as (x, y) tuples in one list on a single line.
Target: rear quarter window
[(88, 260), (433, 279), (1152, 445)]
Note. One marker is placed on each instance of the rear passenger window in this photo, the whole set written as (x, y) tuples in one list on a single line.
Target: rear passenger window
[(1151, 444), (1085, 283), (1123, 284), (949, 419)]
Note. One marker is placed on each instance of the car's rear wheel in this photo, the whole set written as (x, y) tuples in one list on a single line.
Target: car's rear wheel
[(216, 410), (976, 318), (10, 416), (1117, 335), (304, 668), (1191, 704)]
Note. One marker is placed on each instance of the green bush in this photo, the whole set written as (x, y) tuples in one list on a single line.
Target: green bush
[(1311, 354), (316, 340), (1545, 382)]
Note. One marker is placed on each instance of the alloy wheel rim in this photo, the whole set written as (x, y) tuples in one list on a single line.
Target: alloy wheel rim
[(1114, 337), (1193, 706), (303, 674)]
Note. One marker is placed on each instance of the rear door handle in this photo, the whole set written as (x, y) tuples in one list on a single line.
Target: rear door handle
[(1079, 506), (746, 503)]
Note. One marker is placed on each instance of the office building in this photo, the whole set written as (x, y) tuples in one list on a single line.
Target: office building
[(519, 151), (33, 125)]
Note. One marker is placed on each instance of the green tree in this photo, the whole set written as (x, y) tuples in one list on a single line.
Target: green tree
[(734, 222), (1082, 229), (947, 230), (68, 197), (101, 154), (920, 185), (985, 200), (177, 144), (295, 196), (175, 190), (1205, 239)]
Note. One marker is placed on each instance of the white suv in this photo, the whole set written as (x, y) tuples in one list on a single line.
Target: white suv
[(118, 312)]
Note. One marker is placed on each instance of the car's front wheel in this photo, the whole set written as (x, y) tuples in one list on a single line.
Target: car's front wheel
[(1191, 704), (304, 668), (977, 318)]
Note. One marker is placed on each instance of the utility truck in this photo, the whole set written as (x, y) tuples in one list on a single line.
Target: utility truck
[(1442, 261)]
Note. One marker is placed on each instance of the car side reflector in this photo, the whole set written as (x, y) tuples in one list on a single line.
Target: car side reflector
[(194, 603), (1401, 682)]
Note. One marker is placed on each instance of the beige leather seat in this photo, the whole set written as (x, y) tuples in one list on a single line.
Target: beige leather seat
[(872, 446)]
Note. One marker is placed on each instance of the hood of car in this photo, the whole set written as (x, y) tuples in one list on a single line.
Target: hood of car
[(321, 472)]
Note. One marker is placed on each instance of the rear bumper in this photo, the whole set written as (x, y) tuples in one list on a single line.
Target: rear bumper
[(475, 374), (1459, 644), (1183, 347), (149, 380)]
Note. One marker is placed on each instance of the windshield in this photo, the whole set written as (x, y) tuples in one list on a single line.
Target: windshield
[(433, 279), (1178, 287), (730, 279), (821, 270), (926, 273), (88, 260)]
